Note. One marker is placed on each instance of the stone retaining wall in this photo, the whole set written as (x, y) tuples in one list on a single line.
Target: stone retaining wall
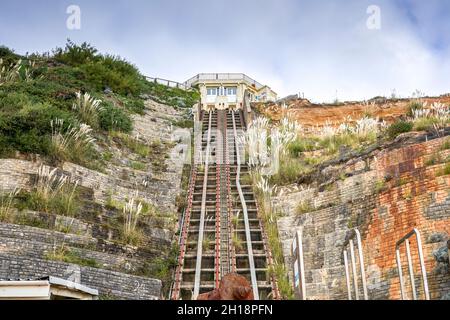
[(414, 195)]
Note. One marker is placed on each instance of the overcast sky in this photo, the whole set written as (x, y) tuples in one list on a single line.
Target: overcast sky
[(322, 48)]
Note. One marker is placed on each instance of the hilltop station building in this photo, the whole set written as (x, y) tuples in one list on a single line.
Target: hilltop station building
[(222, 91)]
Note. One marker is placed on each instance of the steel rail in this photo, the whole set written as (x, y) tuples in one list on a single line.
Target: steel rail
[(218, 208), (245, 213), (229, 203), (198, 266)]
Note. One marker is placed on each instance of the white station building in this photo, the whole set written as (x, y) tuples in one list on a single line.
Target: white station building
[(229, 90)]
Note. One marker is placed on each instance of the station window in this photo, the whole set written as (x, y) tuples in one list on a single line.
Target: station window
[(211, 92), (231, 91)]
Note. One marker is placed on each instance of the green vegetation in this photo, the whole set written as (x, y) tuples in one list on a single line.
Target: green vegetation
[(398, 128), (446, 144), (51, 194), (132, 143), (53, 90), (300, 145), (434, 159), (101, 71), (65, 254), (184, 123), (414, 105), (289, 171), (162, 268), (237, 242), (445, 171), (6, 205), (269, 218), (425, 124), (208, 239), (130, 232), (136, 165), (173, 96), (77, 86), (380, 186), (304, 207)]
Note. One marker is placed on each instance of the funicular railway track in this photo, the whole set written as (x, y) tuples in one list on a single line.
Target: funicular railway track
[(221, 231)]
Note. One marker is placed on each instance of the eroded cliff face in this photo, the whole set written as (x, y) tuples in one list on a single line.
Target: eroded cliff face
[(88, 247), (311, 115), (385, 194)]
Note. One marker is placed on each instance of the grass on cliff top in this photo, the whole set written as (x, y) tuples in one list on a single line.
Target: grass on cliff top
[(37, 89)]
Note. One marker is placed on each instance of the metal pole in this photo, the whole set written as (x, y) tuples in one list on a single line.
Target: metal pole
[(400, 273), (301, 262), (411, 271), (347, 275), (422, 265), (410, 268), (355, 276), (361, 264)]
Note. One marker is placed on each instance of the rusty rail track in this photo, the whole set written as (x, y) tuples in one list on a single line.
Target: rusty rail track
[(221, 231)]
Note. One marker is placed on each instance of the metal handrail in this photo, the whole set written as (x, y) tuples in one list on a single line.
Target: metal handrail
[(245, 212), (405, 240), (168, 83), (349, 242)]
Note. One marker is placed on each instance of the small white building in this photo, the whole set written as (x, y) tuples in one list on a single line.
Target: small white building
[(229, 90), (48, 288)]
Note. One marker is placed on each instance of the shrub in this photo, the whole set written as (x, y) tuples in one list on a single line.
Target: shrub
[(65, 254), (88, 108), (115, 119), (172, 96), (6, 205), (380, 185), (52, 194), (301, 145), (425, 124), (413, 106), (136, 165), (434, 159), (445, 171), (133, 144), (8, 55), (28, 129), (304, 207), (237, 242), (398, 128), (101, 71), (9, 73), (184, 123), (74, 54), (131, 214), (446, 144), (289, 171), (134, 105), (72, 143), (208, 240)]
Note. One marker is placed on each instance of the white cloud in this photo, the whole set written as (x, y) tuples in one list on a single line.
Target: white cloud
[(315, 47)]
